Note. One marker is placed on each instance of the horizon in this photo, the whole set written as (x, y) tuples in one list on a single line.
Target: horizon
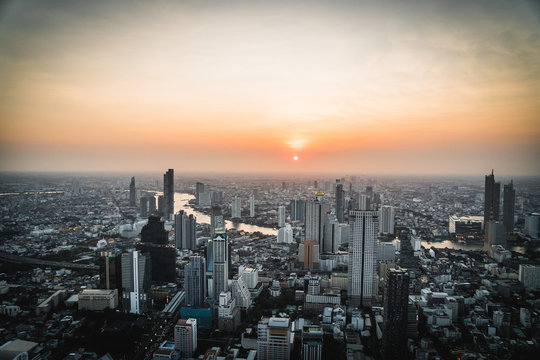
[(416, 88)]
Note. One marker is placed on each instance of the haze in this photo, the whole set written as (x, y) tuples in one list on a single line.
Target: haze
[(423, 87)]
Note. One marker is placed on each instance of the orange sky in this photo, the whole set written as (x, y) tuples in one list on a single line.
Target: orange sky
[(431, 87)]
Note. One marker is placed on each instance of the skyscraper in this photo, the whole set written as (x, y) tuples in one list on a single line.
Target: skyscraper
[(216, 211), (195, 281), (132, 192), (273, 339), (331, 230), (308, 254), (396, 300), (154, 232), (509, 205), (339, 201), (168, 193), (110, 271), (236, 208), (185, 337), (185, 231), (297, 208), (386, 218), (136, 280), (492, 198), (281, 216), (314, 219), (252, 206), (199, 189), (364, 226), (221, 262)]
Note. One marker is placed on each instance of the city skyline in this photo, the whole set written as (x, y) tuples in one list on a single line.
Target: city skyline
[(416, 87)]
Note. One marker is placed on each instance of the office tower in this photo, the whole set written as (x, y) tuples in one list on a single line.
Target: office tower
[(143, 207), (252, 206), (331, 235), (509, 206), (195, 281), (495, 234), (308, 254), (531, 225), (136, 280), (492, 198), (364, 202), (164, 260), (386, 218), (250, 276), (160, 204), (339, 201), (221, 262), (529, 276), (285, 235), (364, 226), (281, 216), (168, 193), (110, 271), (199, 189), (315, 219), (312, 341), (152, 204), (396, 304), (216, 211), (240, 292), (236, 208), (185, 337), (132, 192), (297, 208), (185, 231), (154, 231), (273, 339)]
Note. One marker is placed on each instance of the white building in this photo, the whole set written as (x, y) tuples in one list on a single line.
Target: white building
[(531, 225), (285, 234), (240, 293), (226, 304), (220, 274), (236, 208), (252, 206), (386, 217), (98, 299), (250, 276), (529, 276)]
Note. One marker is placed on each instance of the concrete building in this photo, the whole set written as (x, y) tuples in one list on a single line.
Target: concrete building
[(185, 337), (465, 225), (250, 276), (509, 206), (281, 216), (386, 219), (312, 342), (531, 225), (396, 300), (136, 280), (308, 254), (492, 198), (252, 205), (273, 336), (236, 208), (168, 193), (185, 231), (364, 226), (340, 199), (195, 281), (98, 299), (285, 234), (529, 276), (132, 192), (221, 263), (240, 293)]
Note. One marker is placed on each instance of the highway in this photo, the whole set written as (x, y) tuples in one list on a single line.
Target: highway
[(38, 262)]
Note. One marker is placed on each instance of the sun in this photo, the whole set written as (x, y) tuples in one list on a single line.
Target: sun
[(295, 158)]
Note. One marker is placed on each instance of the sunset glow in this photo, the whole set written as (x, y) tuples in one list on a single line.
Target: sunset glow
[(356, 86)]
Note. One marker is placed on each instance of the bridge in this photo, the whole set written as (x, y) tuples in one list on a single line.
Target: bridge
[(16, 259)]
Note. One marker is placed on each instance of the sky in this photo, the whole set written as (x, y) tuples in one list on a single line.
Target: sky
[(350, 87)]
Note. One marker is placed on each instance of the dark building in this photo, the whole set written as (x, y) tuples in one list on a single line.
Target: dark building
[(492, 199), (216, 211), (132, 192), (185, 231), (297, 209), (144, 206), (396, 304), (195, 281), (154, 232), (339, 201), (509, 205), (199, 189), (160, 201), (110, 271), (168, 193), (163, 261), (152, 205)]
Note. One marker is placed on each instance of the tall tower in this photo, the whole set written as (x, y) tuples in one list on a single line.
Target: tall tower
[(298, 208), (195, 281), (185, 337), (236, 208), (339, 201), (314, 219), (281, 216), (396, 301), (132, 192), (252, 205), (221, 262), (492, 199), (364, 226), (185, 231), (386, 219), (136, 279), (199, 189), (168, 193), (509, 205)]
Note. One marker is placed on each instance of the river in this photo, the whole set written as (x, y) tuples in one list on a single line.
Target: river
[(181, 202)]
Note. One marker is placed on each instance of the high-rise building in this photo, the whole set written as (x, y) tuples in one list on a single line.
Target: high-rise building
[(509, 206), (240, 292), (154, 231), (250, 276), (364, 226), (164, 260), (339, 201), (160, 204), (221, 263), (185, 231), (386, 219), (297, 208), (331, 234), (312, 342), (273, 339), (396, 304), (285, 235), (531, 225), (195, 281), (314, 219), (216, 211), (132, 192), (529, 276), (308, 254), (110, 271), (143, 206), (364, 202), (199, 189), (136, 280), (185, 337), (152, 204), (236, 208), (281, 216), (495, 234), (252, 206), (492, 197), (168, 193)]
